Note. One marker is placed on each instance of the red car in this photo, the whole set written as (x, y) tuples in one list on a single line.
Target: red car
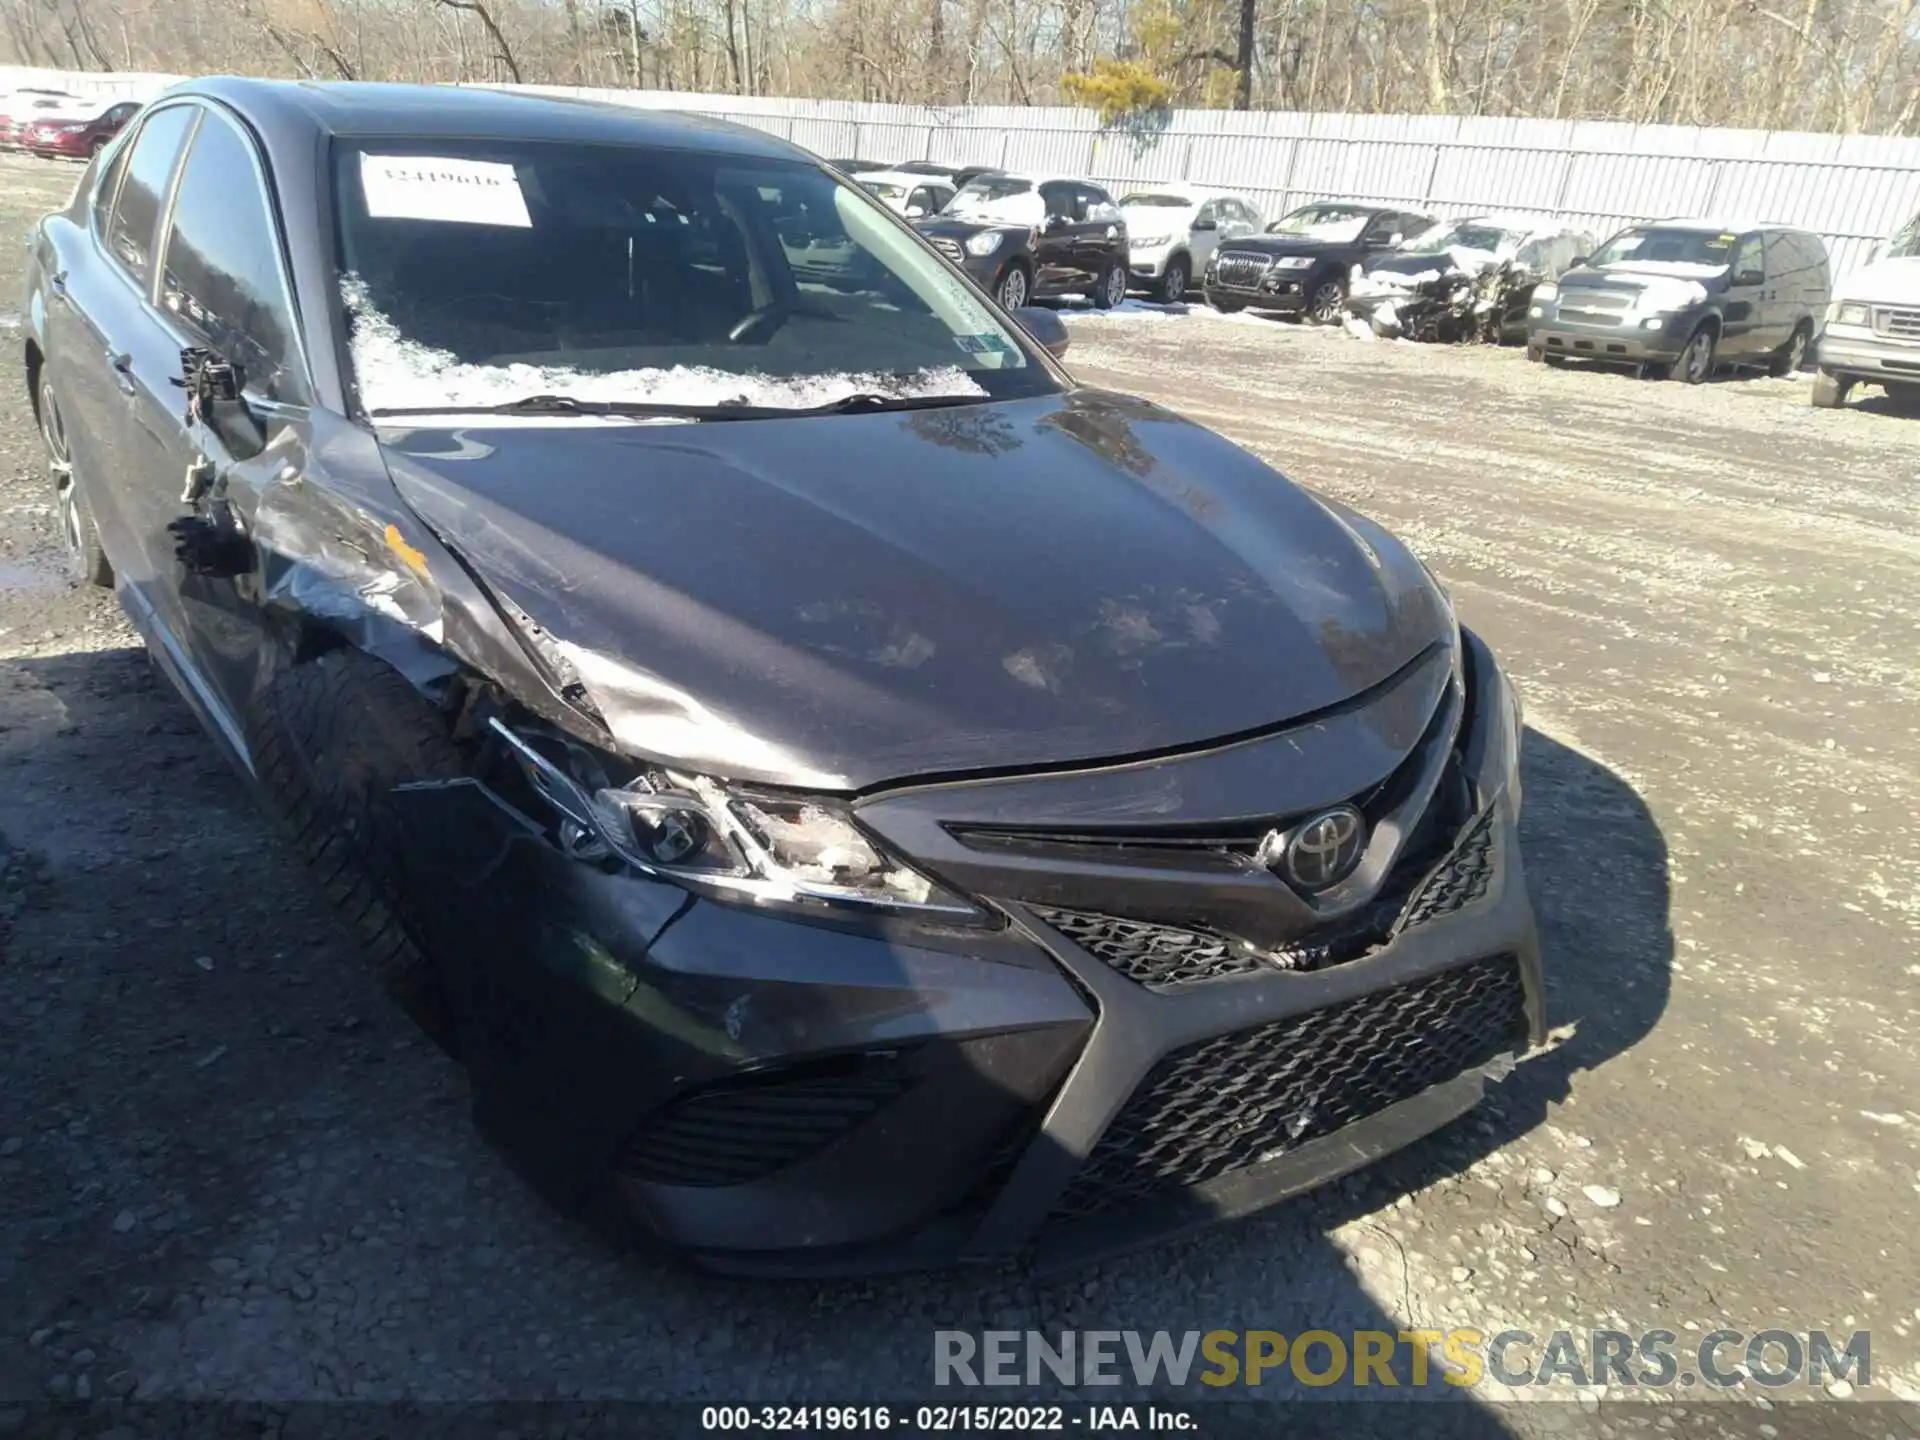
[(75, 133), (20, 108)]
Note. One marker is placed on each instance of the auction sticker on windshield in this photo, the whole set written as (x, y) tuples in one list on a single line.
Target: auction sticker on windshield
[(425, 187)]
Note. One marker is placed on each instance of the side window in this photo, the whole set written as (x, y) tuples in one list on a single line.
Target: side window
[(1058, 198), (1747, 261), (922, 196), (103, 194), (1211, 211), (1905, 241), (222, 276), (136, 211), (1384, 227), (1096, 204)]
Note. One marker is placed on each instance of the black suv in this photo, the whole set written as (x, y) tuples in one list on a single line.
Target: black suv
[(1301, 265), (1025, 236)]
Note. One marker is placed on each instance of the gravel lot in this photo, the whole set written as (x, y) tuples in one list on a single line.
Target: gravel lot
[(229, 1170)]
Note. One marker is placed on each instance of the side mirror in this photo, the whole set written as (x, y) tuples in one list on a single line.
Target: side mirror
[(1578, 261), (916, 212), (1046, 328), (1202, 227)]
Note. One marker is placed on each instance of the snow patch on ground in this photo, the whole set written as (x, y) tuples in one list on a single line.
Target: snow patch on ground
[(396, 373)]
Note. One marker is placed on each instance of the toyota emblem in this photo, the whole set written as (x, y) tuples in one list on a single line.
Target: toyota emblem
[(1321, 853)]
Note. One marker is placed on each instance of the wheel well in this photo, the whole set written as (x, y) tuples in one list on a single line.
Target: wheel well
[(34, 360), (1711, 322)]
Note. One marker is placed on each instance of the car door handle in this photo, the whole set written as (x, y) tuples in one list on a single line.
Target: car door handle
[(57, 283), (121, 363)]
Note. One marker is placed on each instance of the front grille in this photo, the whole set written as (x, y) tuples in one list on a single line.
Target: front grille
[(1458, 883), (1596, 307), (1898, 324), (1240, 272), (1158, 956), (948, 248), (1166, 957), (747, 1130), (1234, 1101)]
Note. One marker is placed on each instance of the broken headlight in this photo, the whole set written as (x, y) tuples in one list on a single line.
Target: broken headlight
[(728, 841)]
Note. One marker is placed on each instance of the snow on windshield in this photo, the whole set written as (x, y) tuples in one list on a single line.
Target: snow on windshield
[(396, 373), (1328, 227), (1685, 269)]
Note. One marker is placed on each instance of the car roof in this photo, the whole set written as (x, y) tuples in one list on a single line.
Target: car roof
[(362, 109), (903, 177), (1724, 225)]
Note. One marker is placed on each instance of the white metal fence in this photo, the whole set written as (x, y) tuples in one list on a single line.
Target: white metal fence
[(1853, 189)]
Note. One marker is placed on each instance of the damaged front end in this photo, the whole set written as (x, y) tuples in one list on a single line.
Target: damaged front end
[(1484, 304)]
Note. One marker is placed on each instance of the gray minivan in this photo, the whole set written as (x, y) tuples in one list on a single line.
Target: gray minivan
[(1685, 297)]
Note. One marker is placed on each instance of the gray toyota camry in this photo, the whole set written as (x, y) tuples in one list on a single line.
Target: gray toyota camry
[(850, 796)]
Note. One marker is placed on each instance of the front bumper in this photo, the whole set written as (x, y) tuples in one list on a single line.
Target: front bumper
[(782, 1098), (1282, 290), (68, 147), (1622, 344), (1856, 353)]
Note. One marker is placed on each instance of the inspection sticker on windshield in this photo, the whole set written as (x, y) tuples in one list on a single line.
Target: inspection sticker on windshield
[(427, 187), (983, 344)]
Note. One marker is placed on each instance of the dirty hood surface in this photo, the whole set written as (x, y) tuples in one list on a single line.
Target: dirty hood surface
[(843, 601)]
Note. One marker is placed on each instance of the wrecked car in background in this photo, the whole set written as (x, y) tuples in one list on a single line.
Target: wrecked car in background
[(1871, 334), (849, 797), (1468, 279)]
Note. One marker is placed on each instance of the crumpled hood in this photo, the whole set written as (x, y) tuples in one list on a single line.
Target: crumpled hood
[(1885, 282), (838, 602)]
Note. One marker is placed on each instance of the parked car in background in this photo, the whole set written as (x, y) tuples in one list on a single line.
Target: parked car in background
[(854, 166), (908, 193), (1304, 261), (81, 133), (1685, 297), (719, 706), (1027, 236), (1872, 330), (1172, 231), (21, 108), (1467, 279)]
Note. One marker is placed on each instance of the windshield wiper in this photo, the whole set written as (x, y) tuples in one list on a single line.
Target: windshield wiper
[(861, 403), (571, 405), (865, 402)]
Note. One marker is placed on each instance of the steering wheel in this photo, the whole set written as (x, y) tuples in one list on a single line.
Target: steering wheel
[(766, 318)]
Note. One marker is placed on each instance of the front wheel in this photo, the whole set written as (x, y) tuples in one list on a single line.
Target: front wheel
[(1327, 302), (1173, 282), (1112, 288), (78, 534), (1830, 391), (1015, 289), (1792, 355), (330, 740), (1696, 363)]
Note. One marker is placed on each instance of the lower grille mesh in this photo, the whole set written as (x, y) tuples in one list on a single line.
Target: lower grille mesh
[(1226, 1103), (1159, 956), (741, 1132)]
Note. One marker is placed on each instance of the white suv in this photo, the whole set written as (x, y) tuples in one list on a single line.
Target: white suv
[(1172, 231), (1872, 334)]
